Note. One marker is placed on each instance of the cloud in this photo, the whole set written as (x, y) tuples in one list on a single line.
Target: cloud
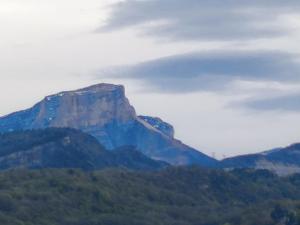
[(212, 70), (204, 20), (280, 103)]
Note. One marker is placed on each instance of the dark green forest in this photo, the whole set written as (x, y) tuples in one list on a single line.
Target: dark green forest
[(174, 196)]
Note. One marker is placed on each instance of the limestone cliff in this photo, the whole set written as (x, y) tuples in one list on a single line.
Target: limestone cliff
[(104, 111)]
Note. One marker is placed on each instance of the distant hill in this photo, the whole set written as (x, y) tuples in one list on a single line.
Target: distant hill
[(282, 161), (104, 112), (176, 196), (66, 148)]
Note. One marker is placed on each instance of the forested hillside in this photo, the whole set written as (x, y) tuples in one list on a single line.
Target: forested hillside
[(67, 148), (174, 196)]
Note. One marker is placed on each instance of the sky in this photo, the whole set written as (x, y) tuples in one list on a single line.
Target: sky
[(225, 74)]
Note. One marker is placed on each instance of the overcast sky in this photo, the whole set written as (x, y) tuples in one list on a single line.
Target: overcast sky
[(225, 73)]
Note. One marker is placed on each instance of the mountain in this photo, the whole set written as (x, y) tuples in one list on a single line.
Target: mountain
[(66, 148), (104, 112), (160, 125), (175, 196), (282, 161)]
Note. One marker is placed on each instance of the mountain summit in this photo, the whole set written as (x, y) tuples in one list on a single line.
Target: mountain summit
[(104, 112)]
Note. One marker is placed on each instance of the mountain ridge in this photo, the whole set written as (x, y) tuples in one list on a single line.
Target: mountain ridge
[(104, 111), (283, 161)]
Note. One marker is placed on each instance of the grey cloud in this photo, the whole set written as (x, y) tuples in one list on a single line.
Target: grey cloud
[(202, 19), (282, 103), (212, 70)]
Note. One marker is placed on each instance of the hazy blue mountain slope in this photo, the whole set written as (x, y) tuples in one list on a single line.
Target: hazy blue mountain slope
[(66, 148), (281, 160)]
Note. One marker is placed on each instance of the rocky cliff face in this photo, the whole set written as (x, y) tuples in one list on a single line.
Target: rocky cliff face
[(104, 111), (160, 125)]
